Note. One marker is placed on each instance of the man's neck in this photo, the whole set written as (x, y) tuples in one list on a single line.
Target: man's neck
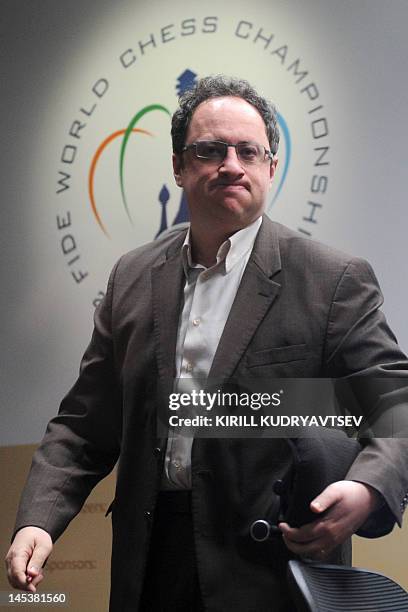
[(205, 245), (205, 242)]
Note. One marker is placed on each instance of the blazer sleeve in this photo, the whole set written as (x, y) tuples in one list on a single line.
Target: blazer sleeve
[(81, 444), (361, 347)]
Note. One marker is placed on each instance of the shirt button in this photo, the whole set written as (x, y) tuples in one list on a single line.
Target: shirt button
[(176, 464), (196, 322), (189, 367)]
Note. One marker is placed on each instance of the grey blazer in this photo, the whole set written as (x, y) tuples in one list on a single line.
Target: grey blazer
[(302, 310)]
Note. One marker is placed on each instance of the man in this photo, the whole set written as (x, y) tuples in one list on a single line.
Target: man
[(235, 295)]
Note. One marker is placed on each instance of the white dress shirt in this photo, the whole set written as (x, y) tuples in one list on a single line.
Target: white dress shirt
[(208, 296)]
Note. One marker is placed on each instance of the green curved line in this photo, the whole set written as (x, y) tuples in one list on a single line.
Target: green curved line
[(126, 136)]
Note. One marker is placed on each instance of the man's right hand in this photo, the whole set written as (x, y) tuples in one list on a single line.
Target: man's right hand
[(24, 561)]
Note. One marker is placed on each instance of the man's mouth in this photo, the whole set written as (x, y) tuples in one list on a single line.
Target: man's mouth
[(231, 186)]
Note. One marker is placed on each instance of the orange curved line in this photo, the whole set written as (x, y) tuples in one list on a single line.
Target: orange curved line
[(92, 169)]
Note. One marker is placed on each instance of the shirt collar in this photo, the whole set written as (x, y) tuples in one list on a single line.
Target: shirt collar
[(230, 252)]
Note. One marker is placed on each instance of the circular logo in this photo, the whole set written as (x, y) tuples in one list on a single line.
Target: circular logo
[(114, 183)]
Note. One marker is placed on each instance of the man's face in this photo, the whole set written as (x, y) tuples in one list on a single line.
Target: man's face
[(228, 193)]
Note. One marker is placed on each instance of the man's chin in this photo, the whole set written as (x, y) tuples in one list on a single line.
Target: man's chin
[(234, 205), (235, 216)]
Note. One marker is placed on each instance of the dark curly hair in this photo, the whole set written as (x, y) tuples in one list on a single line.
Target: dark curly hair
[(216, 87)]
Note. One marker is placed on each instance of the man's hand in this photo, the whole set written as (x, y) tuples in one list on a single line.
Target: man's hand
[(28, 553), (348, 504)]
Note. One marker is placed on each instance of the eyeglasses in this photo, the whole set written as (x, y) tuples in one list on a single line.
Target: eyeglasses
[(216, 151)]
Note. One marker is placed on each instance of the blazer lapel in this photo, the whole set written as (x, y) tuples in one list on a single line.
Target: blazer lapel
[(255, 296), (167, 292)]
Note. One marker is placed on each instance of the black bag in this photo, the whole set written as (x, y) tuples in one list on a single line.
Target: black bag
[(316, 462)]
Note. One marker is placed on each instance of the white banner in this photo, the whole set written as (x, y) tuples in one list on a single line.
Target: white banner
[(89, 164)]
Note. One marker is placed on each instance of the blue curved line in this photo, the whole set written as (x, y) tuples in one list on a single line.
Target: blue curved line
[(288, 146)]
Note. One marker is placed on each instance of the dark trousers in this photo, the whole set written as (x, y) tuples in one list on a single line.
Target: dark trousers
[(171, 580)]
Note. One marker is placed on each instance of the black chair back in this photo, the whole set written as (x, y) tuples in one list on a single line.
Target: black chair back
[(316, 587)]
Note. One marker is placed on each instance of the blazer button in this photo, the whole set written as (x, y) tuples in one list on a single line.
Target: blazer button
[(147, 514), (157, 451), (278, 487)]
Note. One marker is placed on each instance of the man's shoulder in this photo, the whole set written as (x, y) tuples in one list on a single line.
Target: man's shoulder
[(155, 251), (305, 260), (297, 247)]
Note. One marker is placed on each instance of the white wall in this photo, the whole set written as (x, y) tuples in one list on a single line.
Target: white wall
[(52, 54)]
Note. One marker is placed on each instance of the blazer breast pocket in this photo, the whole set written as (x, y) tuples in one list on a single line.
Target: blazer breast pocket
[(278, 355)]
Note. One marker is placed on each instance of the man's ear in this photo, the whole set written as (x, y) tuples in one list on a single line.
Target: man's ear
[(272, 169), (178, 169)]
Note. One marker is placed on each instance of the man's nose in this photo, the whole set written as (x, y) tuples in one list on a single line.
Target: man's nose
[(231, 163)]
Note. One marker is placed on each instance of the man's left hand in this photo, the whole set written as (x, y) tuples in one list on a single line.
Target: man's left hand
[(346, 506)]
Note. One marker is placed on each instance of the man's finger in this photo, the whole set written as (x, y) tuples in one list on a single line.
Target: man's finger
[(35, 581), (327, 498), (305, 534), (34, 567), (16, 569), (317, 549), (27, 554)]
